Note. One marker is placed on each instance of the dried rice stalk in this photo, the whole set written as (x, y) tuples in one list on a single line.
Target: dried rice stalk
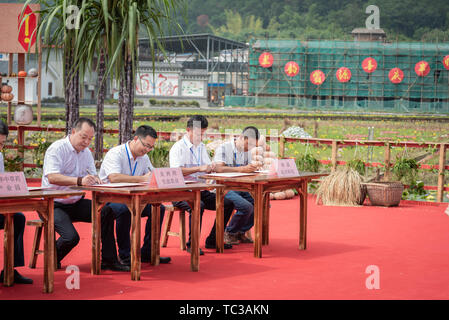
[(342, 187)]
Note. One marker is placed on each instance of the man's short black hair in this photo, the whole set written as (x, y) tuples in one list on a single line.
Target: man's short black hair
[(144, 131), (251, 132), (79, 123), (3, 128), (198, 118)]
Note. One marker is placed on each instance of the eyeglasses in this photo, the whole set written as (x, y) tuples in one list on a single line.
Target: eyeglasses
[(148, 146)]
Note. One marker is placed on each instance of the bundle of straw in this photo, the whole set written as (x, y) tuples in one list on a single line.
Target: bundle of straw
[(342, 187)]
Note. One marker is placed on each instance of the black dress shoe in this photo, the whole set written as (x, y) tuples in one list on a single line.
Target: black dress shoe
[(161, 259), (18, 278), (214, 246), (115, 266), (189, 250), (126, 262)]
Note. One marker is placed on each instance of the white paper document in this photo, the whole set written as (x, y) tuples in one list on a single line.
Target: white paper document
[(230, 174), (38, 188), (119, 185)]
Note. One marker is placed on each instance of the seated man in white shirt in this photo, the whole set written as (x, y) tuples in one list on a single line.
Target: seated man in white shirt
[(69, 162), (190, 154), (129, 162), (233, 156), (18, 219)]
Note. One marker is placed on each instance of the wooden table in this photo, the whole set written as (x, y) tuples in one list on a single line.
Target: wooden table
[(136, 198), (260, 186), (42, 202)]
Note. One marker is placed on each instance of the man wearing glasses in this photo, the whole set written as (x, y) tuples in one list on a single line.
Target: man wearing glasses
[(129, 162)]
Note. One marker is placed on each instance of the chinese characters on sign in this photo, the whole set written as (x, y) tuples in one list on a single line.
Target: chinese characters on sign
[(13, 183), (317, 77), (266, 60), (291, 69), (396, 75), (422, 68), (369, 65), (284, 168), (343, 74), (27, 35), (167, 178), (446, 62)]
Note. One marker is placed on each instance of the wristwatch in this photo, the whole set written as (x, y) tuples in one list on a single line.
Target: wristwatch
[(79, 181)]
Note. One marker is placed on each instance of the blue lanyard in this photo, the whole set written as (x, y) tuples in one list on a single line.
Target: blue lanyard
[(235, 160), (198, 160), (129, 162)]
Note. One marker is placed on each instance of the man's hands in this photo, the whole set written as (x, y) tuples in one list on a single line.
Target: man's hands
[(248, 168), (208, 168), (90, 180)]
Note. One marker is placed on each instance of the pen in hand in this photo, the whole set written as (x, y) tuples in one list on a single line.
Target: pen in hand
[(97, 179)]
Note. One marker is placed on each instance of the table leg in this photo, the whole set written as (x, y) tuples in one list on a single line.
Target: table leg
[(155, 236), (195, 233), (96, 235), (219, 230), (266, 219), (49, 248), (258, 213), (135, 238), (303, 216), (8, 276)]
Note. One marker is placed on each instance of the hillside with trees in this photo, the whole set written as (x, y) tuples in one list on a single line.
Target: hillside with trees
[(407, 20)]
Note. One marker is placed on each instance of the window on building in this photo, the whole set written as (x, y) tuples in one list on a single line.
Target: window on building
[(50, 89)]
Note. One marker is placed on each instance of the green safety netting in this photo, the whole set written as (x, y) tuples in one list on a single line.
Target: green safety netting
[(372, 91)]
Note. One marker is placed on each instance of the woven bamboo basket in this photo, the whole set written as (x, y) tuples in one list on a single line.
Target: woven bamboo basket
[(386, 194)]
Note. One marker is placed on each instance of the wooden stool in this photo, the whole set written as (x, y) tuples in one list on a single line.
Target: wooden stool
[(169, 211), (39, 224)]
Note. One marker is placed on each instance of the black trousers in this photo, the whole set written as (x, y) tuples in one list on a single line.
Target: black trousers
[(207, 202), (80, 211), (19, 227)]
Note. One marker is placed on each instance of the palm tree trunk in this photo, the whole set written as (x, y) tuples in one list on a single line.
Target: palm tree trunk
[(71, 85), (101, 85), (126, 102)]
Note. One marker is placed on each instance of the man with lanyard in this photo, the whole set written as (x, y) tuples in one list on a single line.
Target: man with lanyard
[(233, 156), (129, 162), (19, 222), (69, 162), (190, 154)]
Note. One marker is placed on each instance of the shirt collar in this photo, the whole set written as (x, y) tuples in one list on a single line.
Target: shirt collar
[(72, 149), (128, 150), (190, 144)]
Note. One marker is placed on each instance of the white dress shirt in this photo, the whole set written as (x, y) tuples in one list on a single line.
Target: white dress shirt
[(120, 160), (185, 155), (62, 158), (228, 154), (2, 166)]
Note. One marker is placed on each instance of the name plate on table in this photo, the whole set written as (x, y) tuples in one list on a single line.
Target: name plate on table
[(13, 183), (284, 168), (167, 178)]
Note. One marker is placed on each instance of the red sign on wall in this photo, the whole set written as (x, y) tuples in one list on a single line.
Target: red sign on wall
[(343, 74), (369, 65), (422, 68), (396, 75), (317, 77), (266, 60), (291, 69), (29, 23)]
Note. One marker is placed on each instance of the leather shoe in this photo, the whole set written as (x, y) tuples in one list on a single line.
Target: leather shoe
[(115, 266), (189, 251), (161, 260), (18, 278), (213, 246)]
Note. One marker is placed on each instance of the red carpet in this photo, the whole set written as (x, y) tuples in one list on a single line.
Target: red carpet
[(409, 244)]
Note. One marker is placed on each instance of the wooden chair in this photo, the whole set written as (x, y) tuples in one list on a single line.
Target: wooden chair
[(166, 231), (39, 224)]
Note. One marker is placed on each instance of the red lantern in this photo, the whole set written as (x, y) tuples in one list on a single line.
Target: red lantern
[(266, 60), (396, 75), (27, 37), (369, 65), (291, 69), (446, 62), (422, 68), (343, 74), (317, 77)]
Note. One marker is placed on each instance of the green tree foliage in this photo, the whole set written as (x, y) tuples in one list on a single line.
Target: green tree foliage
[(407, 20)]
